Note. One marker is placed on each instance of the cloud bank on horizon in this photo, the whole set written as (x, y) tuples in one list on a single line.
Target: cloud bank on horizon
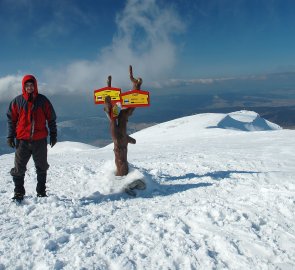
[(10, 86)]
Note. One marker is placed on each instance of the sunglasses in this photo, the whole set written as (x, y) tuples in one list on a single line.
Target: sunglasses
[(29, 84)]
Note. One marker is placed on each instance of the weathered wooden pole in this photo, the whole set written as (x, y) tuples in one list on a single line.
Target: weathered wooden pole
[(118, 128), (136, 82)]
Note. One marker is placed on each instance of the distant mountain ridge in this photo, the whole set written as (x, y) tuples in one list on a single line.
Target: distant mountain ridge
[(95, 130)]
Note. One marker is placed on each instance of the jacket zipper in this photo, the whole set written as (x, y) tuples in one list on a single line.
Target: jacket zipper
[(33, 124)]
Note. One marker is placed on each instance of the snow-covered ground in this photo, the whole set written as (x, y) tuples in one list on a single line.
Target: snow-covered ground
[(217, 197)]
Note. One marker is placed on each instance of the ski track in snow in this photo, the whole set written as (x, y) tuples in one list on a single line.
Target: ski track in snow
[(215, 199)]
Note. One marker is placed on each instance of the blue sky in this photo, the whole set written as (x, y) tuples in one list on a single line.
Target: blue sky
[(72, 46)]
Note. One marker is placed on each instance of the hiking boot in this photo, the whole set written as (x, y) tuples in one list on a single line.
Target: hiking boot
[(41, 184), (18, 197), (19, 185), (42, 194)]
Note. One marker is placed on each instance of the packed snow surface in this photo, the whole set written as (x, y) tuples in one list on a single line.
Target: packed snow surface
[(216, 198)]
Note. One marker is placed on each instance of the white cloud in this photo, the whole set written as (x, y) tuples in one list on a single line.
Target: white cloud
[(10, 86), (143, 39)]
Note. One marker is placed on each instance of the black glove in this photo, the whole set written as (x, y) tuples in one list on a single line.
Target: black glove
[(52, 140), (11, 142)]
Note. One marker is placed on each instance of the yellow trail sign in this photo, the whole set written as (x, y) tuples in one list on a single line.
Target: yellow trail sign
[(129, 99), (135, 98), (100, 94)]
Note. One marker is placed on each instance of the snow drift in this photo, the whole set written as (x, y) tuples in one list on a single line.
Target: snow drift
[(246, 121)]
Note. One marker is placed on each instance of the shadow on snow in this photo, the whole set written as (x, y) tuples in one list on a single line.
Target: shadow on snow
[(218, 175), (159, 191), (155, 189)]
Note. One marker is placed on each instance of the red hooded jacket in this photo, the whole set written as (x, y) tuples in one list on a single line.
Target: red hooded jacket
[(27, 116)]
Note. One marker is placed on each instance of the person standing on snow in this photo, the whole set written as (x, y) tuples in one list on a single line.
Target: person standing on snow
[(27, 132)]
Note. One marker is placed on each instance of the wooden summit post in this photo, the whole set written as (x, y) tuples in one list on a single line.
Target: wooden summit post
[(118, 127)]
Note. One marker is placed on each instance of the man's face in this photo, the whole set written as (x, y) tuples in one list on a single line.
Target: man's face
[(29, 87)]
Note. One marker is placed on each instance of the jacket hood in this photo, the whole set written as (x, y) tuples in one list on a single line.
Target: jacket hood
[(29, 78)]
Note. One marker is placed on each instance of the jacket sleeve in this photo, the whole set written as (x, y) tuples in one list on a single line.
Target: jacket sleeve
[(12, 118), (51, 118)]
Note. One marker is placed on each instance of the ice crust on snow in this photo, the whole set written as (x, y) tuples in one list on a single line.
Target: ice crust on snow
[(216, 199)]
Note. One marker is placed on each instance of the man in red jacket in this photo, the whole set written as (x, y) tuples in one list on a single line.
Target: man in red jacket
[(27, 116)]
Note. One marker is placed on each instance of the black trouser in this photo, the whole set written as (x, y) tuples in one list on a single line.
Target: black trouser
[(24, 151)]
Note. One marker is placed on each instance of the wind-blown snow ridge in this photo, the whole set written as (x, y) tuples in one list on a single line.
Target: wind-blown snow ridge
[(216, 199), (246, 121)]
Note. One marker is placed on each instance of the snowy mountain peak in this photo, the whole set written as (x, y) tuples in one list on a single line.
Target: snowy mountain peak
[(246, 121), (204, 125)]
